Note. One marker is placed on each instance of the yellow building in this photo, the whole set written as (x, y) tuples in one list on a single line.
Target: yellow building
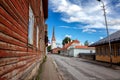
[(102, 48)]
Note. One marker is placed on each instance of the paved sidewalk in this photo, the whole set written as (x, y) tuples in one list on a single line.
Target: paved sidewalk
[(49, 71)]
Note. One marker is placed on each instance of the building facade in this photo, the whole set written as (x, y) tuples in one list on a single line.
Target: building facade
[(64, 50), (75, 51), (53, 41), (23, 38), (74, 48), (103, 51), (56, 50)]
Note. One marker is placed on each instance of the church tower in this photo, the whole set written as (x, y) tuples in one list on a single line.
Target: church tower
[(53, 41)]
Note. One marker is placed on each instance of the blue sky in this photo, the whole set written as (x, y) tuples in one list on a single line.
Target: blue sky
[(82, 19)]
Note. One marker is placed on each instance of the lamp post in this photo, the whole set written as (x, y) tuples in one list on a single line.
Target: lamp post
[(107, 31)]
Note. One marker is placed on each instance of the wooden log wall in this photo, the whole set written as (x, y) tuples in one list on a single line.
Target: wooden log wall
[(17, 57)]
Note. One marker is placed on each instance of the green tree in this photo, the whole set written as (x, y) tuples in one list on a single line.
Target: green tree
[(49, 48), (66, 40), (86, 43)]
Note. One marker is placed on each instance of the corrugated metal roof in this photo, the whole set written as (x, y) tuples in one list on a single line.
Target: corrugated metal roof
[(115, 37)]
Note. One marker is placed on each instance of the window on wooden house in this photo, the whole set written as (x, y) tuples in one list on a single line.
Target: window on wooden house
[(100, 50), (112, 50), (118, 49), (37, 37), (104, 48), (30, 26), (107, 50), (97, 50)]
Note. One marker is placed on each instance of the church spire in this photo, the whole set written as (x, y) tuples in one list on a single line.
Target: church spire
[(53, 35), (53, 42)]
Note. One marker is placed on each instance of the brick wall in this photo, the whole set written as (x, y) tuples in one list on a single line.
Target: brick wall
[(18, 58)]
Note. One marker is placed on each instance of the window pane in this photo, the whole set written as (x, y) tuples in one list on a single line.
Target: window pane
[(31, 26), (119, 50), (37, 36)]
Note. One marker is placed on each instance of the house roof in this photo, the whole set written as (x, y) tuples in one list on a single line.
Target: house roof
[(69, 44), (115, 37), (78, 47), (84, 47)]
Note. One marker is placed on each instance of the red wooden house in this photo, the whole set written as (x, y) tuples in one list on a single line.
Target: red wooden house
[(23, 37)]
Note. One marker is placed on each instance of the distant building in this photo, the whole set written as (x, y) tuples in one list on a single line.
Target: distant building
[(56, 50), (74, 48), (102, 48), (53, 41), (75, 51), (64, 50)]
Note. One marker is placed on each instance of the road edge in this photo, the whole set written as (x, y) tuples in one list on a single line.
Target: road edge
[(60, 76)]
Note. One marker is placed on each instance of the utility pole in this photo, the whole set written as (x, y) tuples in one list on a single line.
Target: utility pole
[(108, 35)]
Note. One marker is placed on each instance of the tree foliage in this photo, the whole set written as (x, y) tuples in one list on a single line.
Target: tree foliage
[(66, 40), (86, 43), (49, 48)]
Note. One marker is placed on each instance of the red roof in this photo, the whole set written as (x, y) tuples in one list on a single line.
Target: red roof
[(69, 44), (84, 47), (77, 47), (81, 46)]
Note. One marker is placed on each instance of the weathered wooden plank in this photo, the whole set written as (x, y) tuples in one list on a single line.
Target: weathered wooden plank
[(8, 68), (8, 39), (20, 11), (25, 8), (10, 10), (8, 32), (6, 61), (23, 71), (10, 23), (7, 53), (13, 60), (7, 46), (14, 68)]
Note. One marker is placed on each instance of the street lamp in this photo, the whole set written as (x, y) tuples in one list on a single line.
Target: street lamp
[(107, 31)]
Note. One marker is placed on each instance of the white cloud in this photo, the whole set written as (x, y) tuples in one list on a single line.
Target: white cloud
[(91, 43), (70, 27), (101, 37), (118, 5), (68, 35), (65, 26), (89, 30), (89, 12), (76, 13)]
